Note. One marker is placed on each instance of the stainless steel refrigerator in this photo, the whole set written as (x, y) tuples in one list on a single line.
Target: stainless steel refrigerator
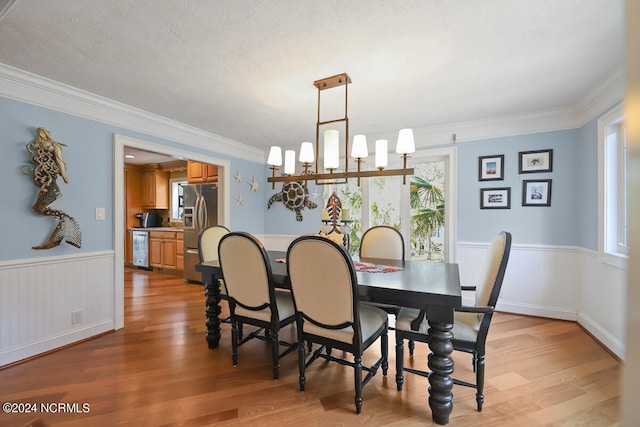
[(200, 211)]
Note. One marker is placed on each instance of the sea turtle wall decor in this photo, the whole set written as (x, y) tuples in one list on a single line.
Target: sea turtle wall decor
[(295, 196)]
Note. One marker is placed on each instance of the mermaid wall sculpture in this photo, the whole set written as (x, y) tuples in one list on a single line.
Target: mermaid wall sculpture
[(48, 164)]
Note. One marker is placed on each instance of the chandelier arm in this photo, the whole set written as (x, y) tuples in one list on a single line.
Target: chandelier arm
[(341, 175), (328, 83)]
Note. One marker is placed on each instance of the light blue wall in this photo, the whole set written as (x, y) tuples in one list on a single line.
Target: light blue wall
[(558, 224), (280, 220), (89, 156), (571, 219), (587, 207)]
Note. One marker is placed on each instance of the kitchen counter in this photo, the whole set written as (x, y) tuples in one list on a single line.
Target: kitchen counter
[(180, 230)]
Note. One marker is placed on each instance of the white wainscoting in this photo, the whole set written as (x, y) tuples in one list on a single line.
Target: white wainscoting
[(603, 300), (37, 297), (540, 281), (560, 282), (277, 242)]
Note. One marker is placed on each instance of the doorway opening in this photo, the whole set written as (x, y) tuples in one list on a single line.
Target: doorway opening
[(120, 142)]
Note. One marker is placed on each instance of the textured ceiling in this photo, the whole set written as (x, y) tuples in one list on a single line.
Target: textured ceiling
[(245, 69)]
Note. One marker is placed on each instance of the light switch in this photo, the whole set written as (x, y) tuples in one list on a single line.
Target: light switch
[(100, 214)]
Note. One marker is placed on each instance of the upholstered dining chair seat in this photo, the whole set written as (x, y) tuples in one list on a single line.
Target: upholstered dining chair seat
[(370, 320), (283, 302), (465, 327)]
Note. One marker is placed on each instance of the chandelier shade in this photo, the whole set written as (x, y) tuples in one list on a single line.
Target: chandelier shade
[(275, 156), (331, 149), (381, 154), (306, 153), (289, 162), (359, 149)]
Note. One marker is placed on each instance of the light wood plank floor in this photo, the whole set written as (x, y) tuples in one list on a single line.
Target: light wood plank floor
[(158, 371)]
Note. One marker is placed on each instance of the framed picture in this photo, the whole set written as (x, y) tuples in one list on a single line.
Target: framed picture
[(491, 168), (495, 198), (535, 161), (536, 192)]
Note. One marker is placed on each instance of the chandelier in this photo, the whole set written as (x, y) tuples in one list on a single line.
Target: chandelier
[(331, 153)]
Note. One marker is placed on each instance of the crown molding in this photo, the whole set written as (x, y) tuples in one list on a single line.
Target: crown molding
[(36, 90), (602, 97), (589, 107), (32, 89), (497, 127)]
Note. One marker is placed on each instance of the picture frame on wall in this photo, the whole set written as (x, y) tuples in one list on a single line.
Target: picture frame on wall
[(495, 198), (536, 192), (535, 161), (491, 168)]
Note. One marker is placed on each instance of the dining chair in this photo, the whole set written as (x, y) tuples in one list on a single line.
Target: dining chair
[(328, 311), (471, 323), (253, 299), (208, 241), (382, 241)]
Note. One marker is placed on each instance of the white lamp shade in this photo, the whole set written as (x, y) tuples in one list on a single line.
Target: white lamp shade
[(289, 162), (406, 144), (381, 153), (331, 149), (359, 148), (306, 153), (275, 156)]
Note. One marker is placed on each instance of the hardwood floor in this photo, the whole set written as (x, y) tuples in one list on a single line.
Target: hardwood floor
[(158, 371)]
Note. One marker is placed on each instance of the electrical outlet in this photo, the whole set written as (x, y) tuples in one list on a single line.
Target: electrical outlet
[(76, 317)]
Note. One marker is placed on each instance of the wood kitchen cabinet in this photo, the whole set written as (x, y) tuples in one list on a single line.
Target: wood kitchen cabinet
[(166, 250), (133, 205), (179, 251), (201, 172), (155, 189)]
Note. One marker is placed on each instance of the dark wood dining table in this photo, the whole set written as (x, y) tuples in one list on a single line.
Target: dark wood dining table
[(434, 288)]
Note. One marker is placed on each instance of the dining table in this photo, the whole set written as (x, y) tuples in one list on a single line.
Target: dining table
[(431, 287)]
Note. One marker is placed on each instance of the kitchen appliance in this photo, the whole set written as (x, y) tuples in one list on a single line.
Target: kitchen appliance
[(148, 219), (140, 248), (200, 211)]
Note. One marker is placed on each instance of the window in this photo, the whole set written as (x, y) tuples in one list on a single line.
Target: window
[(177, 205), (612, 153), (417, 209)]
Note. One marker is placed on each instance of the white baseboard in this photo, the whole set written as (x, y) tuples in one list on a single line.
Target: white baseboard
[(608, 340), (539, 311), (44, 345)]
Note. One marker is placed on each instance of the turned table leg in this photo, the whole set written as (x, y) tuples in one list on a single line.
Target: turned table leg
[(441, 367), (212, 310)]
